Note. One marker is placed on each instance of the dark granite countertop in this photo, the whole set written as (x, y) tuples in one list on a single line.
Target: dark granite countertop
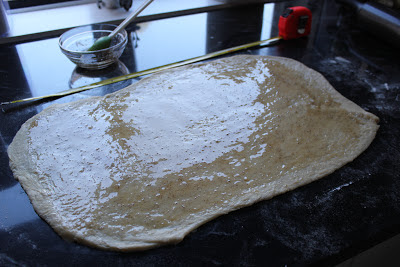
[(322, 223)]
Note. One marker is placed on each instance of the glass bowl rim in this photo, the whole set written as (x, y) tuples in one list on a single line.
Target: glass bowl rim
[(116, 46)]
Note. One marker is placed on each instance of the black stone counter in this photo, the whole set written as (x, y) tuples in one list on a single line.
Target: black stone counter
[(322, 223)]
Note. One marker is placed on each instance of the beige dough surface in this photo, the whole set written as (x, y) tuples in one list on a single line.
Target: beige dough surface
[(146, 165)]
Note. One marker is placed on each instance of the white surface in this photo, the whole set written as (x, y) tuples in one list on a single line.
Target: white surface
[(37, 23)]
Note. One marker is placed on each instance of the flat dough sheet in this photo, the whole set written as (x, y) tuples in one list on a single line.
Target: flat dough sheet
[(146, 165)]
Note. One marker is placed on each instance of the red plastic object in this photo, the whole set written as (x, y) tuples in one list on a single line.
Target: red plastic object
[(295, 22)]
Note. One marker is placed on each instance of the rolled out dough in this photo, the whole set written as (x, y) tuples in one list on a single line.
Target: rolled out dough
[(146, 165)]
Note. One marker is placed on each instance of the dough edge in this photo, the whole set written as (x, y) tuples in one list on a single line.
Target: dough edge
[(24, 172)]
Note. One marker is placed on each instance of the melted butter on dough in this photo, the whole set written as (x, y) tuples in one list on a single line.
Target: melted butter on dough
[(146, 165)]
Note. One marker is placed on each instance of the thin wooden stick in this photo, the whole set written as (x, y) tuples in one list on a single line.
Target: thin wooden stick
[(148, 71)]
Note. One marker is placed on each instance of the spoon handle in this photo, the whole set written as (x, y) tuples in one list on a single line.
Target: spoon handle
[(130, 18)]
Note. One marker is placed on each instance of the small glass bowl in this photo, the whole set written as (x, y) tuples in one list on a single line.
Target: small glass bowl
[(75, 43)]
